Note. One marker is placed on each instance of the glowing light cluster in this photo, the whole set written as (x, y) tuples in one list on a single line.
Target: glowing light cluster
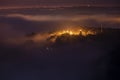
[(74, 32), (71, 32)]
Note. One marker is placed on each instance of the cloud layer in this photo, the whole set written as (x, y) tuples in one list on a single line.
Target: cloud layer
[(15, 27)]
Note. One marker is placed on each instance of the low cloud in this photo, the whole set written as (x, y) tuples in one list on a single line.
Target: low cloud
[(101, 18)]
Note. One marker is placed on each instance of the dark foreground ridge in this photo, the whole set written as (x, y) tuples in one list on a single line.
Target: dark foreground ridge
[(94, 57)]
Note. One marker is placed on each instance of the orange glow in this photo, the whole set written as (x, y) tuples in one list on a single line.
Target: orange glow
[(73, 32), (70, 32)]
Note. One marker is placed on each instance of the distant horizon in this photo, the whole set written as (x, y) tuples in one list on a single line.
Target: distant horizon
[(56, 3), (58, 6)]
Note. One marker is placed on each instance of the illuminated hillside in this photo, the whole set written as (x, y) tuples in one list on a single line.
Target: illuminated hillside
[(70, 35)]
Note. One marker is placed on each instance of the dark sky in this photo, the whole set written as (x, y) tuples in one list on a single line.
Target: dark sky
[(19, 3)]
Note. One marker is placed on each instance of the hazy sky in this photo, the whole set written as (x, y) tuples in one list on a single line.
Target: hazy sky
[(20, 3)]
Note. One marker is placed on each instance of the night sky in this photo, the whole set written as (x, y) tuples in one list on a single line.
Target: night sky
[(21, 3)]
